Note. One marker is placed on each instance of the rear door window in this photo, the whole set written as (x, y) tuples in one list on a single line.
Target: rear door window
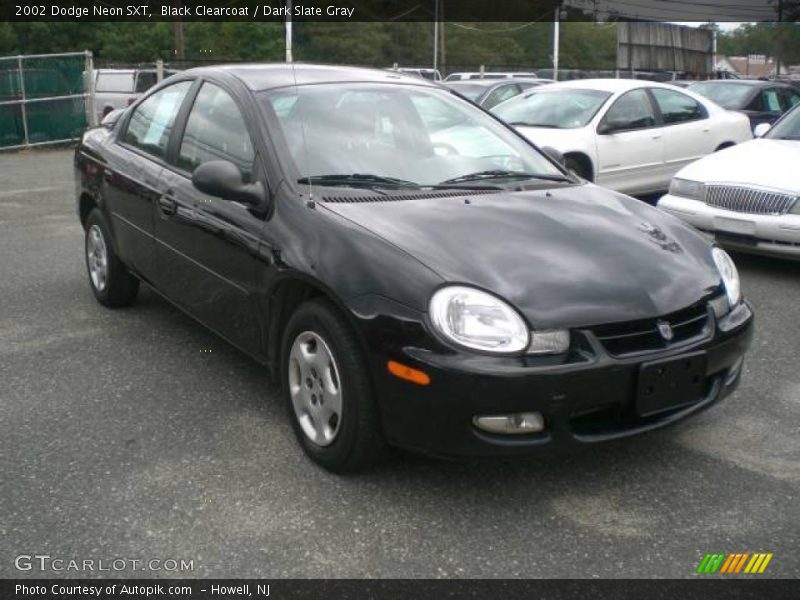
[(151, 122), (677, 107)]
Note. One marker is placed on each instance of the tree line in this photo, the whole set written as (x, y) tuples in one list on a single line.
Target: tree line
[(583, 45)]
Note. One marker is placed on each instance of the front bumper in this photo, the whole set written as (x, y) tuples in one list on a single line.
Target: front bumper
[(583, 402), (775, 235)]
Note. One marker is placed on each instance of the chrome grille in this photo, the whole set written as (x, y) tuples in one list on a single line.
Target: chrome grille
[(749, 200)]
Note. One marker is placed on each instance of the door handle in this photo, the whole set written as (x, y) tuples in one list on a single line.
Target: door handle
[(167, 204), (657, 136)]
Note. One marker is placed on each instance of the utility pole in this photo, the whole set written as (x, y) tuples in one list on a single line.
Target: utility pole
[(177, 35), (556, 28), (443, 59), (778, 39), (289, 57), (435, 34)]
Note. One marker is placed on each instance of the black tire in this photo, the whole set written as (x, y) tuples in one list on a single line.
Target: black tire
[(578, 166), (119, 287), (359, 442)]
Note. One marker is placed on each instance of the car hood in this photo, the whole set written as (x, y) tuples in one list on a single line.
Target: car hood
[(565, 257), (762, 162)]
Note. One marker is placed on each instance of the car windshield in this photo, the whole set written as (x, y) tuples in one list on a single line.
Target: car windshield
[(727, 95), (559, 109), (787, 128), (468, 90), (399, 135)]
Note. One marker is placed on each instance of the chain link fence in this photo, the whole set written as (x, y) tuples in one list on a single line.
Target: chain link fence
[(44, 98)]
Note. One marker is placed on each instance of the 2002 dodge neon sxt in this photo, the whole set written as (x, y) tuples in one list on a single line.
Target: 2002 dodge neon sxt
[(415, 272)]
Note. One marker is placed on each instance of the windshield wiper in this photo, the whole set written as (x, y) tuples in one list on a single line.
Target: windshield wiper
[(356, 179), (501, 174), (528, 124)]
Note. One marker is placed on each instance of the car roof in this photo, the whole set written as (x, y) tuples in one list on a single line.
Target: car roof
[(480, 82), (265, 76), (751, 82), (605, 85)]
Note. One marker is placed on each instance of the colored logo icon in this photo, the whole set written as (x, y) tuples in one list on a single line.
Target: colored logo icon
[(734, 563)]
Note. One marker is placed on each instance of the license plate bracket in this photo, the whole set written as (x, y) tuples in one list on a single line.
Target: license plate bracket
[(669, 383)]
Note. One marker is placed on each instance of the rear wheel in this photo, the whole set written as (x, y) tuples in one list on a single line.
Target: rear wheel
[(328, 390), (109, 279)]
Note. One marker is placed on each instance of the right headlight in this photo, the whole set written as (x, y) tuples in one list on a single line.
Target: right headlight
[(686, 188), (730, 275)]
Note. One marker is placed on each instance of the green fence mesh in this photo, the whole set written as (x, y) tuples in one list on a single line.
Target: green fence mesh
[(34, 95)]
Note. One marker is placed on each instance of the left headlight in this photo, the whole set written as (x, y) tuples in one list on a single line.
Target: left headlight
[(730, 275), (475, 319), (686, 188)]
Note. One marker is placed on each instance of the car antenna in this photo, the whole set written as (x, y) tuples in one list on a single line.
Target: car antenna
[(305, 145)]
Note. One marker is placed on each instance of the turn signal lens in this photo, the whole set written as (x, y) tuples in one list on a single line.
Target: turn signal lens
[(405, 372), (687, 188), (552, 341)]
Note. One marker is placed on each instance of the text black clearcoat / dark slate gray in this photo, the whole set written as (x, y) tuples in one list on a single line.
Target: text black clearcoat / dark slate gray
[(566, 256)]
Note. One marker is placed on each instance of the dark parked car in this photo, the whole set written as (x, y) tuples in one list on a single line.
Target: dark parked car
[(491, 92), (437, 284), (761, 101)]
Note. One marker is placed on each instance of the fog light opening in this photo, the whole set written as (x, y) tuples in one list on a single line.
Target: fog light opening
[(511, 424)]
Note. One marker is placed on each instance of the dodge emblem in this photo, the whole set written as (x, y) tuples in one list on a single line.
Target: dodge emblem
[(665, 329)]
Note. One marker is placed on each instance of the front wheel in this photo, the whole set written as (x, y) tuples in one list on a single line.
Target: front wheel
[(328, 390), (109, 279)]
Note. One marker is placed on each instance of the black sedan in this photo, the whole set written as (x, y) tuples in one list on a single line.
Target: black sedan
[(491, 92), (761, 101), (413, 271)]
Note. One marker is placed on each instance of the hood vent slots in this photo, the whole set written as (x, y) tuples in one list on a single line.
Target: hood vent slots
[(394, 197)]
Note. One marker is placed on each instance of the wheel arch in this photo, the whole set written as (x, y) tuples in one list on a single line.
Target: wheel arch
[(86, 202), (584, 159), (285, 296)]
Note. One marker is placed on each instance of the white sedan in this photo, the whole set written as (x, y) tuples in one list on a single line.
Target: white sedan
[(748, 197), (625, 134)]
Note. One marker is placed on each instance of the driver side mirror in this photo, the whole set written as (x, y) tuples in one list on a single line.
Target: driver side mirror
[(223, 179), (614, 125)]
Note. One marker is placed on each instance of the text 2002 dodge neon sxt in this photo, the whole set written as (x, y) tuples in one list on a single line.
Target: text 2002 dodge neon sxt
[(413, 271)]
